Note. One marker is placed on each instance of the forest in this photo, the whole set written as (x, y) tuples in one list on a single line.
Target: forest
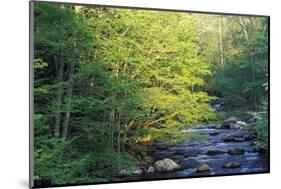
[(110, 83)]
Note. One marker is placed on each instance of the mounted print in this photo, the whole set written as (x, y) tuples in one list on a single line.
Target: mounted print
[(121, 94)]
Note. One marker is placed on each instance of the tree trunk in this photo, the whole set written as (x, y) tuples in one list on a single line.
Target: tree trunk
[(112, 121), (69, 99), (244, 29), (246, 35), (110, 133), (59, 95), (221, 42), (61, 5), (254, 80), (119, 134)]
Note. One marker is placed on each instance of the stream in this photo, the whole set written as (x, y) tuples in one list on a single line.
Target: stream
[(215, 152)]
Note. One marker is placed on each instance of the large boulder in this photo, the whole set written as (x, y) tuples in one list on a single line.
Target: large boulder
[(229, 123), (166, 165), (236, 151), (234, 164), (203, 168)]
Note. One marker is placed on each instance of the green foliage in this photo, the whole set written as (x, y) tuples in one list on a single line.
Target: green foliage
[(261, 128), (241, 114), (105, 78), (245, 51), (39, 64), (174, 136)]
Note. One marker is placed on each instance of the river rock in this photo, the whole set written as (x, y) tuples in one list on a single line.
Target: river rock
[(229, 139), (138, 171), (235, 126), (124, 173), (242, 123), (166, 165), (151, 169), (236, 151), (233, 164), (239, 139), (203, 168), (213, 151), (228, 123)]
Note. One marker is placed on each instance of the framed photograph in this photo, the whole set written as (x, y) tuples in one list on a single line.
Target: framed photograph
[(122, 94)]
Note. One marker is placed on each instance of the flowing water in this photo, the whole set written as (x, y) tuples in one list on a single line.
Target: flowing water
[(191, 154)]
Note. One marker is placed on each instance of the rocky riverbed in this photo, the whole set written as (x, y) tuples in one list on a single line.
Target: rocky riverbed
[(228, 150)]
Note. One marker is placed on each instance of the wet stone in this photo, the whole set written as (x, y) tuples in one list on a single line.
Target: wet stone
[(236, 151), (232, 165), (203, 168), (239, 139), (213, 151), (228, 139), (222, 153)]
